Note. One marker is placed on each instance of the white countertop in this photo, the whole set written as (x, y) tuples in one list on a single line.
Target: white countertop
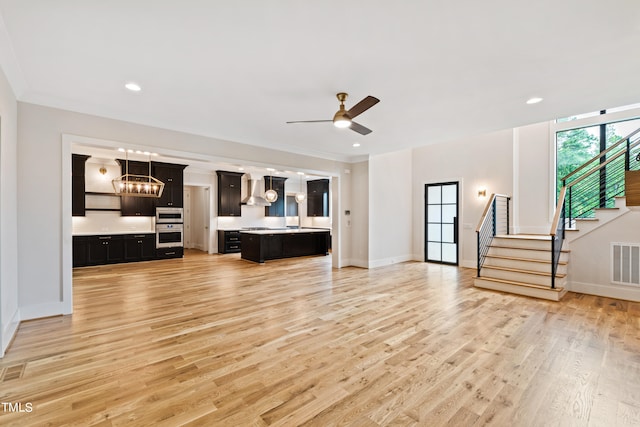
[(112, 233), (285, 231)]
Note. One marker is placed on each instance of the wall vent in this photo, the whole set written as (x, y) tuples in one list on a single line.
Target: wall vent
[(625, 263)]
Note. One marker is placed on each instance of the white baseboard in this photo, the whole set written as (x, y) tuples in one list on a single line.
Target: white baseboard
[(390, 261), (362, 263), (469, 263), (9, 331), (610, 291), (38, 311)]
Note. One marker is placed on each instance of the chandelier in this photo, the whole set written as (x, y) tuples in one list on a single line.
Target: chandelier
[(137, 185)]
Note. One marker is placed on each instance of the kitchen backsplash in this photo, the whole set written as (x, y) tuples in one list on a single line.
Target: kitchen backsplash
[(111, 222)]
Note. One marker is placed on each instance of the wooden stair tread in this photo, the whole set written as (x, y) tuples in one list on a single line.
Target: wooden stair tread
[(528, 285), (517, 270), (542, 261), (524, 236), (526, 249)]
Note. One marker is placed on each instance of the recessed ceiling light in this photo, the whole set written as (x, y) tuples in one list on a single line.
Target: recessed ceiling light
[(121, 150), (271, 169), (357, 144), (133, 87), (240, 169), (300, 173), (534, 100)]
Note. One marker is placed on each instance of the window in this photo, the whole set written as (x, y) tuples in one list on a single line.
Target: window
[(577, 145)]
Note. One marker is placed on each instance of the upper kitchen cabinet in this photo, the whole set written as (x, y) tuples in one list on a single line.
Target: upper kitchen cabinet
[(276, 183), (77, 184), (172, 176), (229, 193), (133, 205), (318, 197)]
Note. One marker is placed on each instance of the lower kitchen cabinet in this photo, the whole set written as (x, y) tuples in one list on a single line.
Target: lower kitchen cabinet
[(260, 247), (80, 249), (115, 248), (139, 247), (228, 241), (105, 249)]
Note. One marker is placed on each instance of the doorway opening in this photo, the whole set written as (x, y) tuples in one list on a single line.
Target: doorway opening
[(197, 218)]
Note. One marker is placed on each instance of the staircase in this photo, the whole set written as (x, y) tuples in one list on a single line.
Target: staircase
[(521, 264), (591, 196)]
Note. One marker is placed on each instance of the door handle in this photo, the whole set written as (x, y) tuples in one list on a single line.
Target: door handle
[(455, 229)]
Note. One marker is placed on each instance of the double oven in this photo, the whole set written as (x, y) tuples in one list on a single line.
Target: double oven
[(169, 228)]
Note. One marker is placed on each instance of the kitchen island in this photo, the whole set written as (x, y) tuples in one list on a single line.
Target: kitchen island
[(263, 245)]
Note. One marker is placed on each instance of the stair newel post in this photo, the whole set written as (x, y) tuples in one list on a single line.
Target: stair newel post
[(570, 211), (508, 200), (553, 263), (478, 252), (494, 215), (627, 162)]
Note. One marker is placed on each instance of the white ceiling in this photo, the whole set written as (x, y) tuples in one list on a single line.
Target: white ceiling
[(238, 70)]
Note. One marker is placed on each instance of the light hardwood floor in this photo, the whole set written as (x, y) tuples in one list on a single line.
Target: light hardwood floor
[(213, 340)]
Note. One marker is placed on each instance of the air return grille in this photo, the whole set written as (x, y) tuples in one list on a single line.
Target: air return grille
[(625, 263)]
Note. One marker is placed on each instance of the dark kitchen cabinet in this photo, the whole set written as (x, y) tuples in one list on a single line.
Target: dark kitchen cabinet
[(80, 249), (139, 247), (260, 247), (114, 248), (134, 205), (175, 252), (318, 197), (277, 207), (229, 193), (228, 241), (273, 248), (77, 184), (105, 249), (172, 175)]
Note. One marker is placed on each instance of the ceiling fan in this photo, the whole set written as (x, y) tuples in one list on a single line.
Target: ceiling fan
[(343, 118)]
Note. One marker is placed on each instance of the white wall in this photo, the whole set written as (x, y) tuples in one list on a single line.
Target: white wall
[(480, 161), (390, 208), (9, 312), (533, 174), (40, 207), (590, 258)]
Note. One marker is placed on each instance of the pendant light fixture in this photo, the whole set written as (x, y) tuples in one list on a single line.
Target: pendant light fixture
[(300, 196), (270, 195), (137, 185)]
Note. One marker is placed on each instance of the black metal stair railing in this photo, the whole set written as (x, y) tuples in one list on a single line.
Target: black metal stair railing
[(600, 180), (494, 221), (557, 235)]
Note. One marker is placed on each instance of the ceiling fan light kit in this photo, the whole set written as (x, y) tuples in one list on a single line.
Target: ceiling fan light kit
[(343, 118)]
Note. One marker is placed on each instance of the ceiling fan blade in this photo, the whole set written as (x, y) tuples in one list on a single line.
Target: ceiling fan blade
[(310, 121), (362, 106), (360, 129)]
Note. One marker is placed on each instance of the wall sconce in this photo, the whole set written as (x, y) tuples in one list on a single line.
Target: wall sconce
[(482, 192), (102, 170)]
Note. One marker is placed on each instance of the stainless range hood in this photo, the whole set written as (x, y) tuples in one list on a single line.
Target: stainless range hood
[(254, 195)]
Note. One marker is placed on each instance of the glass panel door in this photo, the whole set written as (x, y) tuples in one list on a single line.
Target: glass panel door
[(441, 223)]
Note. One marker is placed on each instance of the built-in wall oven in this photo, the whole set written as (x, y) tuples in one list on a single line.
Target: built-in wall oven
[(169, 235), (169, 228)]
